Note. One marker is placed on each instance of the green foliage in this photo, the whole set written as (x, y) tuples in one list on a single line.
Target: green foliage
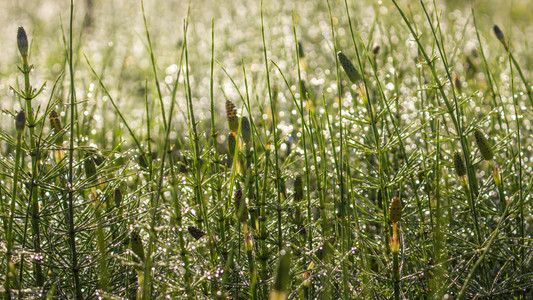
[(364, 176)]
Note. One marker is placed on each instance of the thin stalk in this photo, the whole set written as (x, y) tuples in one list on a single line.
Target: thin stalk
[(263, 235), (133, 136), (148, 132), (275, 135), (304, 144), (440, 237), (177, 202), (396, 274), (75, 268), (216, 168), (9, 235), (339, 162), (152, 58), (254, 173), (520, 180), (103, 275)]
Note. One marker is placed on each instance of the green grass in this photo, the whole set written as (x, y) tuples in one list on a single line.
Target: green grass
[(227, 150)]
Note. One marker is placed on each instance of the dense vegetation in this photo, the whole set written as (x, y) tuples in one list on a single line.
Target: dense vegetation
[(248, 150)]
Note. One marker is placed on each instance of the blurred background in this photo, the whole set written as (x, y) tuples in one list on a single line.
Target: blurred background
[(111, 34)]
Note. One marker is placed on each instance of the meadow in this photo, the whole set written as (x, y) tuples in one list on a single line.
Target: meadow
[(306, 149)]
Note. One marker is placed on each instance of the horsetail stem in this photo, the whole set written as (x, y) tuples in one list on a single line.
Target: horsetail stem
[(28, 94), (497, 175), (499, 35), (20, 122)]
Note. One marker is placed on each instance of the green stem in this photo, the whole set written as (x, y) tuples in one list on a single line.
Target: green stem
[(103, 275), (275, 135), (71, 229), (396, 274), (9, 235)]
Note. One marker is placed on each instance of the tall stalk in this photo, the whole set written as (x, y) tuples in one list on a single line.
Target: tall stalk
[(74, 267), (275, 135), (20, 122), (28, 95)]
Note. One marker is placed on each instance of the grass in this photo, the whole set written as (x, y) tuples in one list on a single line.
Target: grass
[(266, 150)]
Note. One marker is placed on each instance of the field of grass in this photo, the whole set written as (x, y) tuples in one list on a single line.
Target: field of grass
[(306, 149)]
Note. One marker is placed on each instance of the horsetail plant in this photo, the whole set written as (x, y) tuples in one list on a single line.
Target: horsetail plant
[(28, 94), (20, 123), (310, 177)]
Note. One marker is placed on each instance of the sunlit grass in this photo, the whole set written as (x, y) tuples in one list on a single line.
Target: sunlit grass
[(278, 150)]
